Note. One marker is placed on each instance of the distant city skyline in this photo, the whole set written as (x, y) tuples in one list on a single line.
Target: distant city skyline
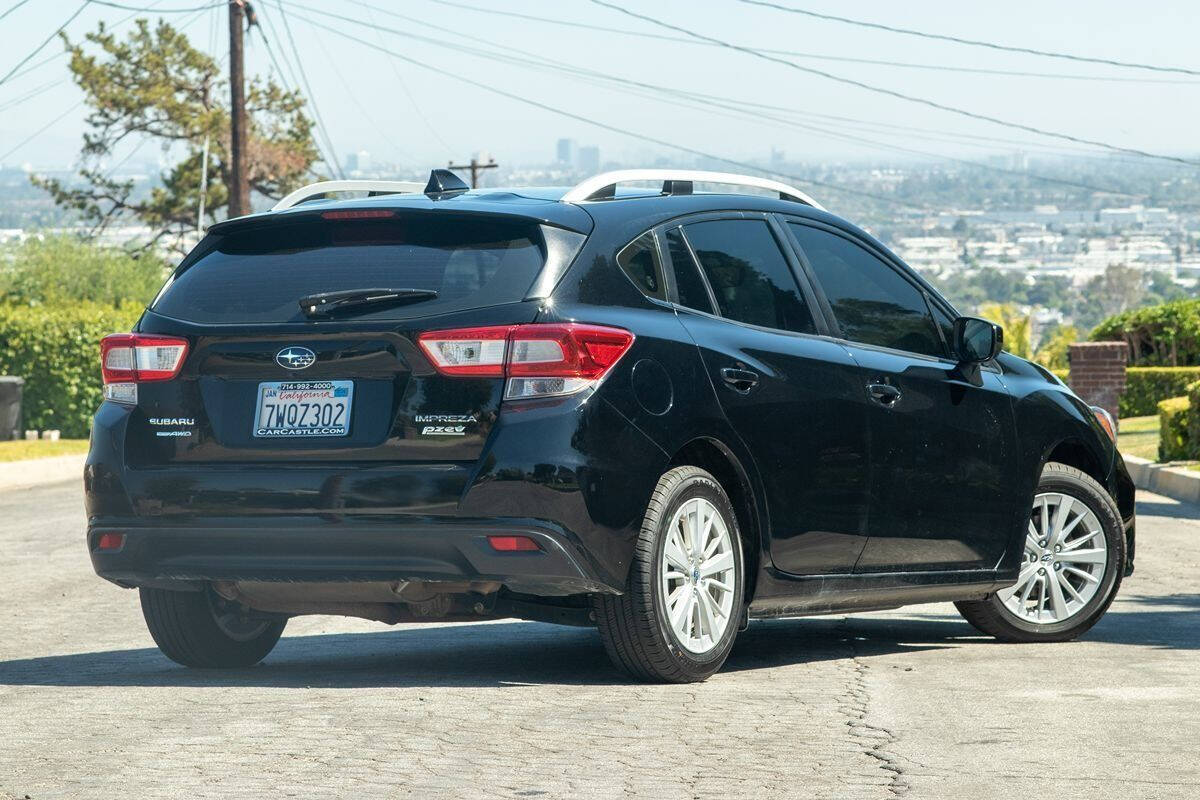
[(403, 114)]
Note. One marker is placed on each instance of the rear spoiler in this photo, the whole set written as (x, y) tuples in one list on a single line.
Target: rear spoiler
[(445, 192)]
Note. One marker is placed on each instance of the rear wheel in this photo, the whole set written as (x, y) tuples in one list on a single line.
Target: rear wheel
[(678, 620), (1071, 567), (202, 629)]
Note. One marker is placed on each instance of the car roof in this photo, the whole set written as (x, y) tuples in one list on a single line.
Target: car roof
[(543, 205)]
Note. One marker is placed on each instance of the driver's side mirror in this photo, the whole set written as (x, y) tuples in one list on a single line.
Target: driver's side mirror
[(977, 340)]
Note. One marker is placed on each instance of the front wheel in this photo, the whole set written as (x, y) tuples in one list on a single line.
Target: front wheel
[(678, 620), (202, 629), (1071, 568)]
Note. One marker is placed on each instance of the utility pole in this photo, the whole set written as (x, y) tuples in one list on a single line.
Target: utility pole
[(239, 189), (476, 166)]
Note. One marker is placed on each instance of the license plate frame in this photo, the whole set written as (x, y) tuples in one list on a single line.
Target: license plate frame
[(307, 399)]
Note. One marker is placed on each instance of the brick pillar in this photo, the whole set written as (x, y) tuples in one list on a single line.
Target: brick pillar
[(1098, 372)]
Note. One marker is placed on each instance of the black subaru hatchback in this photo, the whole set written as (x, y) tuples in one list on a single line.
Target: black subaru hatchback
[(658, 412)]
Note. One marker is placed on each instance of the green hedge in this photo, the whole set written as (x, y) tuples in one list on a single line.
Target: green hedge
[(1145, 387), (1192, 436), (1174, 421), (57, 352), (1162, 335)]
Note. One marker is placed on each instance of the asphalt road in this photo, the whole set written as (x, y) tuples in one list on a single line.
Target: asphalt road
[(911, 702)]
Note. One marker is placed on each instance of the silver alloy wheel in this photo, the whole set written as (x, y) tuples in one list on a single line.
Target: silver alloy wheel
[(1063, 567), (698, 576)]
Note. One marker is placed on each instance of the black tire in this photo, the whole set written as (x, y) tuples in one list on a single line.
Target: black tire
[(990, 616), (634, 626), (185, 627)]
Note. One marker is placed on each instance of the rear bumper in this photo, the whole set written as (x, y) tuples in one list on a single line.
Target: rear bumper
[(370, 549), (575, 476)]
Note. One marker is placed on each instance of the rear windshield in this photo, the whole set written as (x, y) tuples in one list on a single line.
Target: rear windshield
[(260, 275)]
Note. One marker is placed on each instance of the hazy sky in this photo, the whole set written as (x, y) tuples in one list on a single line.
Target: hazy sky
[(367, 106)]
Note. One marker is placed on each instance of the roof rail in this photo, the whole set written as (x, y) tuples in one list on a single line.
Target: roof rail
[(677, 181), (322, 188)]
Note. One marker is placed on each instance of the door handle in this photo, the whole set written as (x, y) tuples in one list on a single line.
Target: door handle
[(740, 380), (884, 393)]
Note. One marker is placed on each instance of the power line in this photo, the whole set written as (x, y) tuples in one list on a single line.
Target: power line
[(13, 8), (41, 63), (704, 101), (47, 41), (972, 42), (124, 7), (64, 114), (892, 92), (816, 56), (386, 136), (294, 83), (542, 62), (34, 92), (708, 102), (39, 131), (412, 101), (604, 125), (290, 80), (61, 53), (312, 99), (835, 187)]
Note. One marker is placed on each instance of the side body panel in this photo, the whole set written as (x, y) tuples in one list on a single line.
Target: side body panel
[(1054, 424), (808, 440), (942, 459)]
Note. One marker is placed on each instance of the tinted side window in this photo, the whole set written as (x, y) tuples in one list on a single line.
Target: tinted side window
[(873, 304), (639, 259), (748, 274), (688, 283)]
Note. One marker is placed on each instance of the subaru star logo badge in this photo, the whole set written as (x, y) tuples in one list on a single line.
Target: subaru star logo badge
[(295, 357)]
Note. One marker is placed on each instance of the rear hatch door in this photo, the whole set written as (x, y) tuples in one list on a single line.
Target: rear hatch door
[(264, 381)]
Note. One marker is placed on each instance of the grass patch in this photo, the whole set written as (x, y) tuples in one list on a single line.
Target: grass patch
[(21, 450), (1139, 437)]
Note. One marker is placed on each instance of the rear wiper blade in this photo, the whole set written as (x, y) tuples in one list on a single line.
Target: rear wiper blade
[(326, 303)]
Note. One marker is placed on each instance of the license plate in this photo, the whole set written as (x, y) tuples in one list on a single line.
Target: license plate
[(303, 408)]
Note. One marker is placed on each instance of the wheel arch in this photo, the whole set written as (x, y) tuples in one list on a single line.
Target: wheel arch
[(1074, 453), (713, 455)]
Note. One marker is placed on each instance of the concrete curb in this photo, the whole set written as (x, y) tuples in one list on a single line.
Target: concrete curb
[(1174, 482), (16, 475)]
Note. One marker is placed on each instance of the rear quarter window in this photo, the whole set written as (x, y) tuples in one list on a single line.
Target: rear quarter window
[(639, 260), (260, 275)]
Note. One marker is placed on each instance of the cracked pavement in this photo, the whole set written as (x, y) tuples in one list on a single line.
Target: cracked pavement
[(903, 703)]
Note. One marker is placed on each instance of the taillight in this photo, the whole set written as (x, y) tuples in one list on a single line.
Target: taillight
[(468, 351), (127, 359), (552, 359), (539, 360)]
